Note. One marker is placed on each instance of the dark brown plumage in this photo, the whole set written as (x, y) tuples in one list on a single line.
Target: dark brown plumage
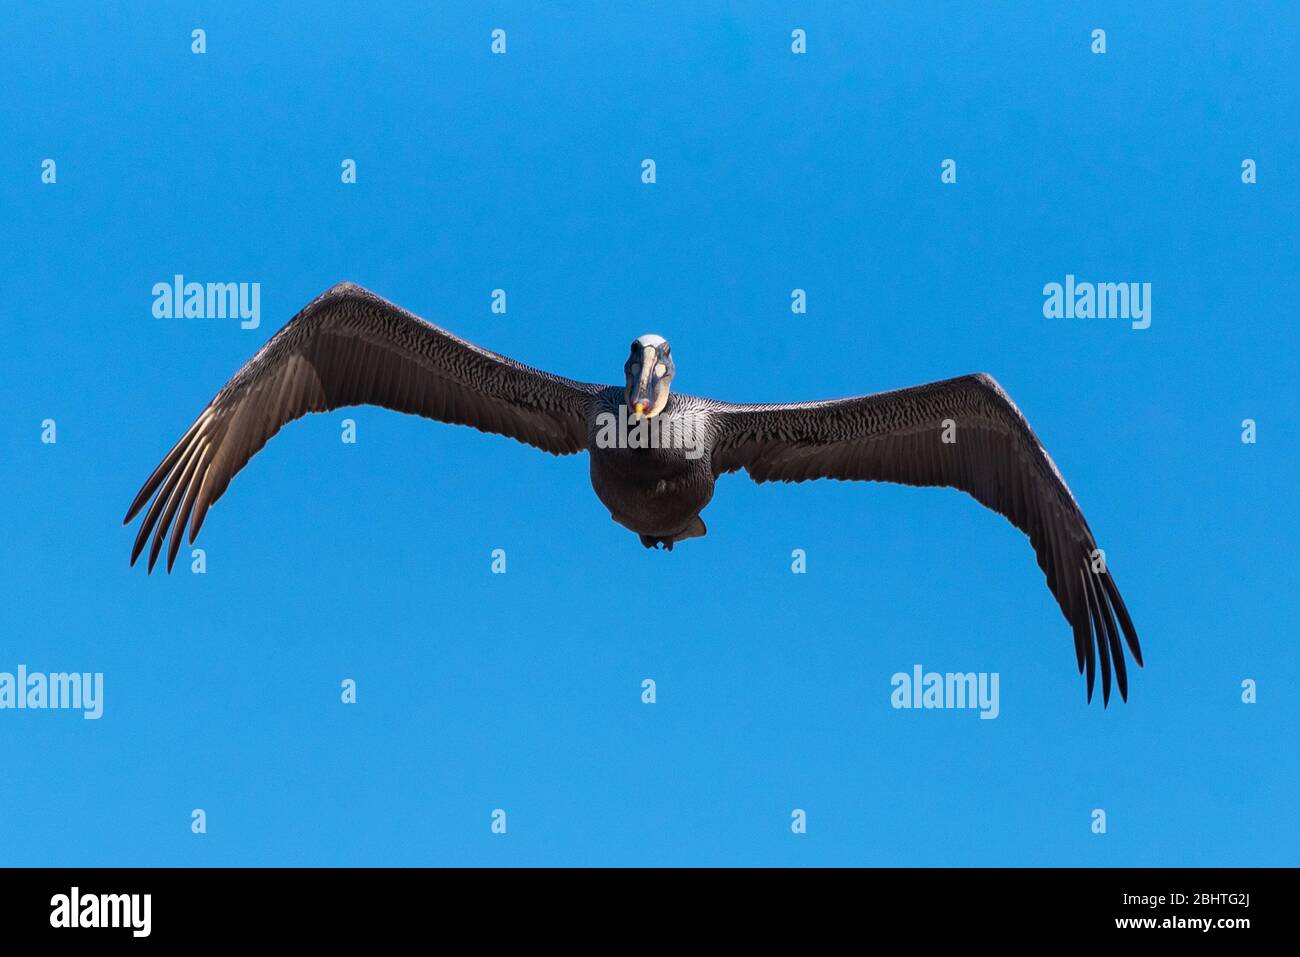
[(995, 457), (351, 347)]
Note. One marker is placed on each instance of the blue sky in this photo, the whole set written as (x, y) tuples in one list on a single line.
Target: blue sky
[(774, 171)]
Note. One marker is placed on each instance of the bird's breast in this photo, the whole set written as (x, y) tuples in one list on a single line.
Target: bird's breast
[(648, 491)]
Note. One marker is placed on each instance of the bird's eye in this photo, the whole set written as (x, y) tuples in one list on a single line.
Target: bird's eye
[(660, 369), (634, 347)]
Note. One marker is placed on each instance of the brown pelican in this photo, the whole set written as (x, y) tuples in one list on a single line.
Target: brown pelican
[(655, 453)]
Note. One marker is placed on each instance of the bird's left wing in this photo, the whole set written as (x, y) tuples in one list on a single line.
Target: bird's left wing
[(351, 347), (963, 433)]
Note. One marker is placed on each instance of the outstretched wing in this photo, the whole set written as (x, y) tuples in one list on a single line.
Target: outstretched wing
[(962, 433), (351, 347)]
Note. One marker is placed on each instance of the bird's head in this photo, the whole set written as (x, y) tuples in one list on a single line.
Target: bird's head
[(649, 370)]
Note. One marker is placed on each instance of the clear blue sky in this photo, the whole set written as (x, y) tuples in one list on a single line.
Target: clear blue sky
[(775, 171)]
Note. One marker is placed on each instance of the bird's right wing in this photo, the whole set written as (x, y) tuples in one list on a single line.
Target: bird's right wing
[(351, 347)]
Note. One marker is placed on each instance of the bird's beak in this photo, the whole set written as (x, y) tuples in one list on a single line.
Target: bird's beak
[(642, 399)]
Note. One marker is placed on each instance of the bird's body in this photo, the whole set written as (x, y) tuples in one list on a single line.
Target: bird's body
[(655, 454), (657, 489)]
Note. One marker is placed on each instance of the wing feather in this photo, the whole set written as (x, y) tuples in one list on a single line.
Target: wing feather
[(962, 433), (350, 347)]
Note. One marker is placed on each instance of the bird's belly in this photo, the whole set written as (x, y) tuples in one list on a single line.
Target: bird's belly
[(650, 498)]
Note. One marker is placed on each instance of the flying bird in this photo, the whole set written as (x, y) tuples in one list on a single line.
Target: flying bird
[(654, 453)]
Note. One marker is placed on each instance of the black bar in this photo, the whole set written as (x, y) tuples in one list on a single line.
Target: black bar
[(369, 905)]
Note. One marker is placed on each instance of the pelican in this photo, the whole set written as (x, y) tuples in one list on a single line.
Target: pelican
[(655, 453)]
